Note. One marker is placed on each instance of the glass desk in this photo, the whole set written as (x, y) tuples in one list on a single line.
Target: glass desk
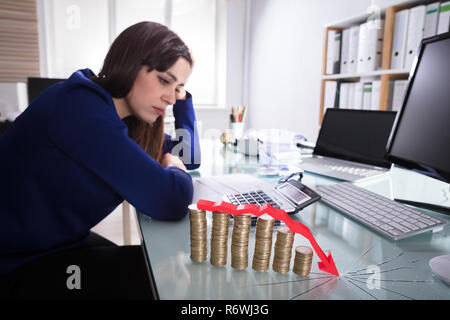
[(370, 265)]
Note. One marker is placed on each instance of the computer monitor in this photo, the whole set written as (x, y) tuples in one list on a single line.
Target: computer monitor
[(37, 85), (420, 137)]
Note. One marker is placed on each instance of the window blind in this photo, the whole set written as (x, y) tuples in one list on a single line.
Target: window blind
[(19, 40)]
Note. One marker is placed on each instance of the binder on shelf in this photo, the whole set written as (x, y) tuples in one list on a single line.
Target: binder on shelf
[(431, 19), (376, 88), (358, 101), (399, 90), (353, 49), (362, 48), (399, 39), (390, 94), (333, 52), (375, 45), (344, 50), (367, 95), (344, 95), (415, 34), (330, 95), (444, 18), (351, 95)]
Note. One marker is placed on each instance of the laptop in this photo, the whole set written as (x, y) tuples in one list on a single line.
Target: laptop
[(289, 195), (351, 144)]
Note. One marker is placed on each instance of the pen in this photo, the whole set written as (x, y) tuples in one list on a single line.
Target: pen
[(243, 113)]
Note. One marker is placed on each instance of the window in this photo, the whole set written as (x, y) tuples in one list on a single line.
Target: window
[(78, 34)]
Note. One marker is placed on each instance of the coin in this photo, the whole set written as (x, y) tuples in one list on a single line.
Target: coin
[(263, 243), (302, 260), (198, 235), (219, 238), (240, 240)]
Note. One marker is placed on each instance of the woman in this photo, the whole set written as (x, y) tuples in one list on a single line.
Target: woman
[(78, 151)]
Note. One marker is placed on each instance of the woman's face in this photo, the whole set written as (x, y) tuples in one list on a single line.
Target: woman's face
[(153, 91)]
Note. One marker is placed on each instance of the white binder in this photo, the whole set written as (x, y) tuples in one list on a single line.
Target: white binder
[(353, 49), (444, 18), (374, 45), (343, 96), (431, 20), (345, 50), (399, 39), (415, 34), (399, 91), (362, 48), (376, 87), (367, 96), (351, 95), (357, 104), (330, 94), (333, 52)]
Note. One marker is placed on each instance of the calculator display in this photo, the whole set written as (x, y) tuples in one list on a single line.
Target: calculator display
[(292, 193)]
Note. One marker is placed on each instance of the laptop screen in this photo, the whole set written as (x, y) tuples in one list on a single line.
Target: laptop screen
[(355, 135)]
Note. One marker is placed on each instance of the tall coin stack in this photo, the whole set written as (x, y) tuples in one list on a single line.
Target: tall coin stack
[(303, 260), (197, 218), (239, 241), (283, 250), (219, 238), (263, 243)]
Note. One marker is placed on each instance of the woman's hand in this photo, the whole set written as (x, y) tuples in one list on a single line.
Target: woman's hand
[(181, 92), (172, 161)]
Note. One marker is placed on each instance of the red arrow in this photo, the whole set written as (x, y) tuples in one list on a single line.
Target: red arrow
[(326, 264)]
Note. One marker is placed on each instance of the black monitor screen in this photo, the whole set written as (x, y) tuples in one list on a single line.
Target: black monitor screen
[(355, 135), (420, 138), (38, 85)]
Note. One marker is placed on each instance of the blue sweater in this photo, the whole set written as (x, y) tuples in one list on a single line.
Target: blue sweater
[(67, 162)]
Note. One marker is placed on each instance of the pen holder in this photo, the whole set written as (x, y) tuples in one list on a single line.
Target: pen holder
[(236, 130)]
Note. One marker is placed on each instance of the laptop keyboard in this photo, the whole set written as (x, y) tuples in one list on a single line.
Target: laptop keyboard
[(391, 218), (353, 170)]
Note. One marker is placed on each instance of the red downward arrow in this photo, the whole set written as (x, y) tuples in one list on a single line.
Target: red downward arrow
[(326, 264)]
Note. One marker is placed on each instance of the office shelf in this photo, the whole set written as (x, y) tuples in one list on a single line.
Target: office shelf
[(365, 74), (385, 74)]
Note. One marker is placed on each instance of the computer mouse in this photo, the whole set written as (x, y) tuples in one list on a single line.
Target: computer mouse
[(441, 267)]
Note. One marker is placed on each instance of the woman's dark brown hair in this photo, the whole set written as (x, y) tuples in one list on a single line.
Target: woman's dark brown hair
[(143, 44)]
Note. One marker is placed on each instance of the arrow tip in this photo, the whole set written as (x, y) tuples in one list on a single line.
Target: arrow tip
[(328, 265)]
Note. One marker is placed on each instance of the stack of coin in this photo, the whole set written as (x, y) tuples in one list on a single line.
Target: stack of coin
[(239, 241), (219, 238), (263, 243), (303, 260), (283, 250), (197, 218)]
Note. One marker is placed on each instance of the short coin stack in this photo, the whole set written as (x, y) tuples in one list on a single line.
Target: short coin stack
[(197, 218), (283, 250), (303, 260), (219, 238), (263, 243), (239, 241)]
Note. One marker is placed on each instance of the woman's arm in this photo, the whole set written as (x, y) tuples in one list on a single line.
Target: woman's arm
[(186, 144), (87, 129)]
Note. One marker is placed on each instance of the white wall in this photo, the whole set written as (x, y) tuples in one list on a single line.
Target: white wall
[(285, 59)]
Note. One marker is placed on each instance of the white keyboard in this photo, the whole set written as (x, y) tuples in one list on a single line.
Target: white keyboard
[(392, 219)]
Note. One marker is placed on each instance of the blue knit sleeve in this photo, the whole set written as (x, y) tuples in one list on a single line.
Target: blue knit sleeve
[(186, 144), (87, 128)]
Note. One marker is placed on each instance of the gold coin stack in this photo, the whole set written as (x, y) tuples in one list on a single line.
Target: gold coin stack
[(197, 218), (263, 243), (219, 238), (283, 250), (239, 241), (303, 260)]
